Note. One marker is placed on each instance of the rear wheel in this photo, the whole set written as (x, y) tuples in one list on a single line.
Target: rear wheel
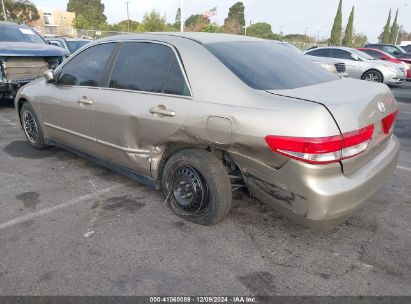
[(373, 76), (197, 186), (31, 126)]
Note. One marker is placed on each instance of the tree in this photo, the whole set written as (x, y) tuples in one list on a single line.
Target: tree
[(20, 11), (337, 27), (385, 35), (260, 30), (235, 21), (196, 23), (349, 31), (89, 13), (359, 40), (177, 22), (153, 22), (299, 38), (394, 30), (212, 28), (122, 26)]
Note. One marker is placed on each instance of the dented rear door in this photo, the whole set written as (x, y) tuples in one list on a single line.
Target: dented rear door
[(146, 102)]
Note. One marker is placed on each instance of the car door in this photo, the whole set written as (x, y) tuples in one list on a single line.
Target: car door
[(145, 103), (67, 108), (353, 67)]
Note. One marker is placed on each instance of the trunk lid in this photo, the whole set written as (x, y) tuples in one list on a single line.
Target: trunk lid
[(354, 104)]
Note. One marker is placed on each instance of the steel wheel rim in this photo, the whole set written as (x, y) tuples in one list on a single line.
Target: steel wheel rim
[(30, 127), (189, 190), (373, 77)]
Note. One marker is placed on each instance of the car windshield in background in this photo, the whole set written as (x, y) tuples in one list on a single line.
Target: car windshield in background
[(13, 33), (363, 55), (75, 45), (269, 66)]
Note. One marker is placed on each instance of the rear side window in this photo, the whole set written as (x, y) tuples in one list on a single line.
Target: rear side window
[(86, 69), (319, 53), (264, 65), (175, 83), (148, 67)]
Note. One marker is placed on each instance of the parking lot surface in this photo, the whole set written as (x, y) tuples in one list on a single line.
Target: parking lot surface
[(70, 227)]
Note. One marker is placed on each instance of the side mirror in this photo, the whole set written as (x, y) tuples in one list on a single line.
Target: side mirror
[(355, 57), (396, 52), (49, 75)]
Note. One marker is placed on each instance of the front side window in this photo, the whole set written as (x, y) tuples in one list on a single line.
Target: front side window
[(340, 54), (374, 54), (148, 67), (86, 69), (389, 49), (264, 65)]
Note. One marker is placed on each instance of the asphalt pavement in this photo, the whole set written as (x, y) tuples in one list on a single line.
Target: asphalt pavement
[(70, 227)]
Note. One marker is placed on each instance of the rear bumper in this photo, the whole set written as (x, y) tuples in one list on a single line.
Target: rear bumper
[(318, 196)]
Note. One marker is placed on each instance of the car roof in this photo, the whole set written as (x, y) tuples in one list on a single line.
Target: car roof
[(332, 47), (11, 23), (384, 44), (202, 38)]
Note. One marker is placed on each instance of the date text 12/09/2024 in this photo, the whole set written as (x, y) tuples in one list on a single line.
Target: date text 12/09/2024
[(186, 299)]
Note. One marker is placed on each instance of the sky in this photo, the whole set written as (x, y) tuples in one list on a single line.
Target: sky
[(289, 16)]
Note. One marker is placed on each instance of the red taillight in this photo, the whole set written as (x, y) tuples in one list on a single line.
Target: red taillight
[(322, 150), (388, 122)]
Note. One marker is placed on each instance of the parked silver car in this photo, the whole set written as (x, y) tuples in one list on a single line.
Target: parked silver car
[(330, 64), (199, 115), (333, 65), (362, 66)]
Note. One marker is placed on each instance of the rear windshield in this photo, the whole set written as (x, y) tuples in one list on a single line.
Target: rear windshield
[(265, 65), (18, 33), (74, 45)]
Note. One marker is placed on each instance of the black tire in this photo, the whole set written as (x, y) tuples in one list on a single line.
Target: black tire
[(191, 172), (31, 127), (373, 76)]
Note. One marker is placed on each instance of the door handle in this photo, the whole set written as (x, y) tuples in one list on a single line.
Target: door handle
[(161, 110), (85, 100)]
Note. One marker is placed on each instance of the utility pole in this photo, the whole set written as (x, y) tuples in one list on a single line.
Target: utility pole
[(4, 10), (128, 15), (399, 29), (182, 16), (398, 33)]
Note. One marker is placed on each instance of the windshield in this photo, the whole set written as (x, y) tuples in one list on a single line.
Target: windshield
[(75, 45), (401, 49), (362, 55), (18, 33), (264, 65)]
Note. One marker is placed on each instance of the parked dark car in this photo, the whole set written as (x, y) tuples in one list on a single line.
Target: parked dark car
[(24, 56), (70, 44), (407, 48)]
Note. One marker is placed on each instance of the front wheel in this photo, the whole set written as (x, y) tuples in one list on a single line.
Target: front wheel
[(373, 76), (31, 126), (197, 186)]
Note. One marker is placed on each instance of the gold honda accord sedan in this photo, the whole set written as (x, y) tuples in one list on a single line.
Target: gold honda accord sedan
[(200, 115)]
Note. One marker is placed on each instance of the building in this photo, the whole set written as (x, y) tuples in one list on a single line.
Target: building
[(54, 22)]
